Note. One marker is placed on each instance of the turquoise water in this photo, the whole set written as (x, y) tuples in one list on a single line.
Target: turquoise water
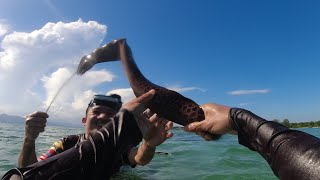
[(189, 157)]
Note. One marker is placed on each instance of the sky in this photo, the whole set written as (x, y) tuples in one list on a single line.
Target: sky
[(259, 55)]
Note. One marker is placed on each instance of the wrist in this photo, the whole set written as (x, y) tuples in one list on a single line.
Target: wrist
[(233, 113), (29, 139), (147, 146)]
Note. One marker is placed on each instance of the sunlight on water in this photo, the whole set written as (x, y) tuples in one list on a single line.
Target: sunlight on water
[(185, 156)]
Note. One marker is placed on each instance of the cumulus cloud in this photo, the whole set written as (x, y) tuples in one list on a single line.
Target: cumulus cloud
[(125, 93), (75, 92), (244, 92), (34, 65), (81, 101), (4, 28)]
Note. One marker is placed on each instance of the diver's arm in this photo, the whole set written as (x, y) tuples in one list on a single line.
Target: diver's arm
[(142, 155), (155, 130), (27, 155), (35, 124), (291, 154)]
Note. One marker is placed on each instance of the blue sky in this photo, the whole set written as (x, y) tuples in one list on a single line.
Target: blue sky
[(258, 55)]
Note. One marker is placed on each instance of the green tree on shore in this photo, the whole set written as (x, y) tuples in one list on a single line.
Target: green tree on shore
[(287, 123)]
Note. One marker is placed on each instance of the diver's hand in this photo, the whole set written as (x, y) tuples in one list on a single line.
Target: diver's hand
[(155, 129), (35, 124), (138, 105), (215, 124)]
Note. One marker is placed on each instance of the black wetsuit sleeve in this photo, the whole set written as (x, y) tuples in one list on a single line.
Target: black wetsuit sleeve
[(93, 158), (292, 154)]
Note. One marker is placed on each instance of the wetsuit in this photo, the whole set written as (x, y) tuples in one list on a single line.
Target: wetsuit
[(72, 140), (93, 158), (292, 154)]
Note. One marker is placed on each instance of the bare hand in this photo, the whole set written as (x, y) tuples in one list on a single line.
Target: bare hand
[(138, 105), (155, 129), (215, 124), (35, 124)]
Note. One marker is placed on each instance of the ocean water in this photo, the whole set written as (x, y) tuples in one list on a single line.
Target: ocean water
[(184, 156)]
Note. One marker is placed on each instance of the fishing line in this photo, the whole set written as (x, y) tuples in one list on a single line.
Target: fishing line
[(55, 96)]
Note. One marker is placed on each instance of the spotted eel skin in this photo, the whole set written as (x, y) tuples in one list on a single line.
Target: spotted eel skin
[(166, 103)]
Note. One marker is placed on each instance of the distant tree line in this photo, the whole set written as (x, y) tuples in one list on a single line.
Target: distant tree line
[(287, 123)]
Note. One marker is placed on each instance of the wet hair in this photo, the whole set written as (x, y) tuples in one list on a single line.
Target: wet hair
[(113, 101)]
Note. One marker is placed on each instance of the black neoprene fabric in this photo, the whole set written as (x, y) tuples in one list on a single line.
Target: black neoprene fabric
[(292, 154)]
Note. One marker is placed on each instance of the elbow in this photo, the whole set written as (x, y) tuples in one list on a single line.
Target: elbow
[(143, 161)]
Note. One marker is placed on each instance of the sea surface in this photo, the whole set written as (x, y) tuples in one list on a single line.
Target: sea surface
[(184, 156)]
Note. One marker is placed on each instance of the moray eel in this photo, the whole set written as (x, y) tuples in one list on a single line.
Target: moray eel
[(166, 103)]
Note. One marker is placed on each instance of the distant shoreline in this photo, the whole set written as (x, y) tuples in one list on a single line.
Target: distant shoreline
[(13, 119)]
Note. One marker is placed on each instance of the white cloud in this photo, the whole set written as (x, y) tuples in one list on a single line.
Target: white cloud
[(4, 28), (244, 92), (81, 102), (93, 78), (75, 92), (244, 104), (125, 93), (185, 89), (33, 65)]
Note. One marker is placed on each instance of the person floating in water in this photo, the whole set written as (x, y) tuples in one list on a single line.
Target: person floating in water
[(291, 154), (109, 142)]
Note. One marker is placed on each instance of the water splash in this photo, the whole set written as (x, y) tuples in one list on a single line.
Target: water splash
[(55, 96)]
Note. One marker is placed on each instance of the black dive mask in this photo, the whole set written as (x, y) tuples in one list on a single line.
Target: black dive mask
[(110, 101)]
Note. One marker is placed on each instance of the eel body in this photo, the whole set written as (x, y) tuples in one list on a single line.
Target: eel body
[(166, 103)]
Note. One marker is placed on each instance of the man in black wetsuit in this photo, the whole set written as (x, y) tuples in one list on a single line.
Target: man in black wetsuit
[(292, 154), (107, 144)]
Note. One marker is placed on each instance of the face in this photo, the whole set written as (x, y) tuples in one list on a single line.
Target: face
[(97, 116)]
